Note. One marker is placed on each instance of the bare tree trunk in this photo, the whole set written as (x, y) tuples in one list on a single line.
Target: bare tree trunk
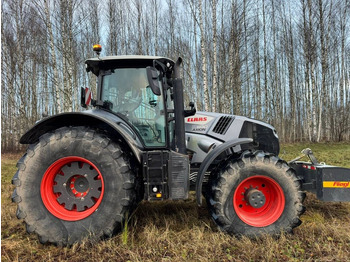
[(214, 88), (155, 12), (235, 59), (246, 58), (266, 102), (275, 85), (56, 81), (343, 79), (204, 58), (22, 94), (258, 91), (138, 5), (306, 84), (313, 122), (323, 67), (66, 27)]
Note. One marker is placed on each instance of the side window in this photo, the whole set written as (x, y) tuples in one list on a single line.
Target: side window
[(126, 91), (149, 119)]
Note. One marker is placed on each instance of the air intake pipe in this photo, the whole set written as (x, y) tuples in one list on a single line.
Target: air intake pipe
[(179, 109)]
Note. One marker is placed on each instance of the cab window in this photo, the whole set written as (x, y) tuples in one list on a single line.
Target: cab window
[(126, 91)]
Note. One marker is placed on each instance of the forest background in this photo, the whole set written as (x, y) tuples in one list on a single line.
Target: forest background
[(284, 62)]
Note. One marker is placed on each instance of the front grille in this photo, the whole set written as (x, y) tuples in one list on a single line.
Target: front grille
[(264, 137), (223, 124)]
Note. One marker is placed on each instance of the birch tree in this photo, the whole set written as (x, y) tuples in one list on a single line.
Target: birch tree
[(204, 57)]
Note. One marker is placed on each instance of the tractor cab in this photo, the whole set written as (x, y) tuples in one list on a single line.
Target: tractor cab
[(124, 89), (145, 93)]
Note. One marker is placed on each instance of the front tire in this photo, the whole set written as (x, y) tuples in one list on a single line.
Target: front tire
[(254, 194), (74, 183)]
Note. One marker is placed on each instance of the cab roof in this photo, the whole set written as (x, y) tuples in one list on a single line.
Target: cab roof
[(96, 64)]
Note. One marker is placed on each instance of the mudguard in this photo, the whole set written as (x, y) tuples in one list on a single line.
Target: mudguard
[(93, 118), (210, 158)]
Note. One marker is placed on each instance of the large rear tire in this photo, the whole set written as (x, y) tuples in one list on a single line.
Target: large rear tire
[(254, 194), (74, 183)]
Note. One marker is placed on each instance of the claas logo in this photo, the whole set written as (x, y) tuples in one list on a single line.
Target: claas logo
[(197, 119)]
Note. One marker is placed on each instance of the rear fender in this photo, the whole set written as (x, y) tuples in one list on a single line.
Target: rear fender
[(208, 160), (116, 127)]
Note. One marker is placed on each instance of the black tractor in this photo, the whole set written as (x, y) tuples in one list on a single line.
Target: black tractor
[(85, 172)]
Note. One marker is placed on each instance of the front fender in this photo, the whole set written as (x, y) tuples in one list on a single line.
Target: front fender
[(208, 160), (92, 118)]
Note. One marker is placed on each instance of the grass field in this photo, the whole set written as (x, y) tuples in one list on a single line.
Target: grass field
[(180, 231)]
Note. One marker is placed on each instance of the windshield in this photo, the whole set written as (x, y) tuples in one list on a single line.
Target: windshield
[(127, 91)]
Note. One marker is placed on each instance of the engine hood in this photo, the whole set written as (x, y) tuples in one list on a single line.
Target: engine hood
[(205, 128), (220, 126)]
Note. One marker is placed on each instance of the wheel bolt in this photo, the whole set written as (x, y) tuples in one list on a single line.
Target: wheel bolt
[(85, 175), (82, 199), (64, 184)]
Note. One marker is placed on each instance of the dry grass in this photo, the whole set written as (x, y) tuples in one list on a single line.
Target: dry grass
[(180, 231)]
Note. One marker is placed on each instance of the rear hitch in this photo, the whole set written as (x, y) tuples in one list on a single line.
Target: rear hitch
[(329, 183), (307, 152)]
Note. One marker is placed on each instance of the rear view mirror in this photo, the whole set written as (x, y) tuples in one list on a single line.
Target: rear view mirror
[(86, 98), (153, 80)]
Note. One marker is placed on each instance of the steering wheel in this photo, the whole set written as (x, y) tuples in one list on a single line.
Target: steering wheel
[(131, 102)]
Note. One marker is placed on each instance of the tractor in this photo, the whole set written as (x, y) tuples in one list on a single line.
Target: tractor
[(85, 172)]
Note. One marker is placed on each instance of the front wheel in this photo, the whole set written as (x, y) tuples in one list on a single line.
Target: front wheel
[(74, 183), (255, 194)]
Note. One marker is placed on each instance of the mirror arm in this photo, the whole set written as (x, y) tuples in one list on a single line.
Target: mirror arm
[(191, 111), (161, 65)]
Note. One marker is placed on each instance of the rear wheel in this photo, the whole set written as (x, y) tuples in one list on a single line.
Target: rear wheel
[(255, 194), (74, 183)]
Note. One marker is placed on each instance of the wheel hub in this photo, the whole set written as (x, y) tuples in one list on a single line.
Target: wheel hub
[(255, 198), (258, 201), (77, 186)]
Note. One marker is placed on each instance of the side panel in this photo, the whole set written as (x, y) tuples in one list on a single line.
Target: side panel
[(155, 174), (179, 182), (333, 183), (199, 145), (165, 175)]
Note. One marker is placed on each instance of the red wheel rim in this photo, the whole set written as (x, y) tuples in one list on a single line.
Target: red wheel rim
[(72, 188), (269, 207)]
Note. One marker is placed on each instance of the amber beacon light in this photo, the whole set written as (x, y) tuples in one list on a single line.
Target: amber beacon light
[(97, 48)]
